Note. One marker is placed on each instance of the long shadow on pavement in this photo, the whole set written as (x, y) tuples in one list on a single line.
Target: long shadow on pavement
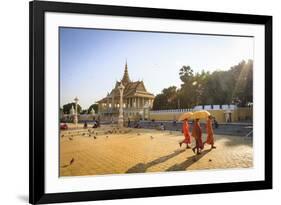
[(142, 167), (190, 160), (237, 142)]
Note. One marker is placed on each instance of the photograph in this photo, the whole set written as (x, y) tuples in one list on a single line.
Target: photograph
[(136, 101), (140, 102), (131, 102)]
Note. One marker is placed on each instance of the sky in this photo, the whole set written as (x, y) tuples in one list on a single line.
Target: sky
[(92, 60)]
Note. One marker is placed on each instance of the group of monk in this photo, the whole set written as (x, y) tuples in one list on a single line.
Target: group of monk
[(197, 134)]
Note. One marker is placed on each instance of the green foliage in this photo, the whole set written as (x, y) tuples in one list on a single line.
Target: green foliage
[(168, 99), (186, 74), (67, 107), (234, 86), (95, 106), (84, 111)]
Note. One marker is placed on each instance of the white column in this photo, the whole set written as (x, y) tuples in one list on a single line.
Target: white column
[(134, 102), (112, 102), (76, 111), (120, 118)]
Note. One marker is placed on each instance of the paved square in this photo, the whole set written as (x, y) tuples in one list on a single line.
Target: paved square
[(107, 151)]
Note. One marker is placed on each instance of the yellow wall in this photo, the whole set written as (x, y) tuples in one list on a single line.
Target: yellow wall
[(240, 113)]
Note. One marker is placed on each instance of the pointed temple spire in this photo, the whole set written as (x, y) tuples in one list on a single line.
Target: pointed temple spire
[(126, 78)]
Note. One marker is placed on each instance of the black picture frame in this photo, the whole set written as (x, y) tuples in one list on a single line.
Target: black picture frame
[(37, 10)]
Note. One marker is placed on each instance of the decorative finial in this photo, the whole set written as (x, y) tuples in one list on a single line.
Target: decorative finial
[(76, 99), (126, 78)]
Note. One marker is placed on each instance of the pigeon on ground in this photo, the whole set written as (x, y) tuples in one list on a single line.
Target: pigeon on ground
[(71, 162), (95, 137), (151, 137), (70, 138)]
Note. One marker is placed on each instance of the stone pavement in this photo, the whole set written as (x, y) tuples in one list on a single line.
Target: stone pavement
[(143, 150)]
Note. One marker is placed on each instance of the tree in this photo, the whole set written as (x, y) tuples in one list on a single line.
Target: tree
[(168, 99), (67, 107), (186, 74), (186, 95), (158, 103), (243, 90), (84, 111), (216, 91), (94, 106), (219, 87)]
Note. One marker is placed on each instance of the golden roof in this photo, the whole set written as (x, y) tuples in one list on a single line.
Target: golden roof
[(132, 89)]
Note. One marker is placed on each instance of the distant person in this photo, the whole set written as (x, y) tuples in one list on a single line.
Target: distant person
[(216, 123), (197, 134), (137, 124), (95, 124), (85, 125), (153, 123), (230, 117), (187, 138), (129, 122), (210, 133), (162, 127)]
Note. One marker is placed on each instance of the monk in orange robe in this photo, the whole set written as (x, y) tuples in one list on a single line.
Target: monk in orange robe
[(185, 130), (210, 133), (197, 134)]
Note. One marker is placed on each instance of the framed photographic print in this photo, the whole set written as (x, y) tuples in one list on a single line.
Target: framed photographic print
[(141, 102)]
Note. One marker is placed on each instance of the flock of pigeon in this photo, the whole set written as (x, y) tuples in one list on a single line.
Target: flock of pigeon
[(91, 132)]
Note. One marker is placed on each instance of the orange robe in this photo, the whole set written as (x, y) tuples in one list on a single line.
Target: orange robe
[(185, 129), (210, 132), (197, 134)]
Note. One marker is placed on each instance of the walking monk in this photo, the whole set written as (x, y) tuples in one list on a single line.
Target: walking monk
[(197, 134), (187, 138), (210, 133)]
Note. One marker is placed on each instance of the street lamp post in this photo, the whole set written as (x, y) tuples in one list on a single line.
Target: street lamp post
[(75, 120), (120, 118), (92, 112)]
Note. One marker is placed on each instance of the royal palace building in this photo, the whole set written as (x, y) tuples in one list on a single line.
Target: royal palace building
[(135, 99)]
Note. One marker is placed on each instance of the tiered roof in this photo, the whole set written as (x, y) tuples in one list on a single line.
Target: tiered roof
[(132, 89)]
